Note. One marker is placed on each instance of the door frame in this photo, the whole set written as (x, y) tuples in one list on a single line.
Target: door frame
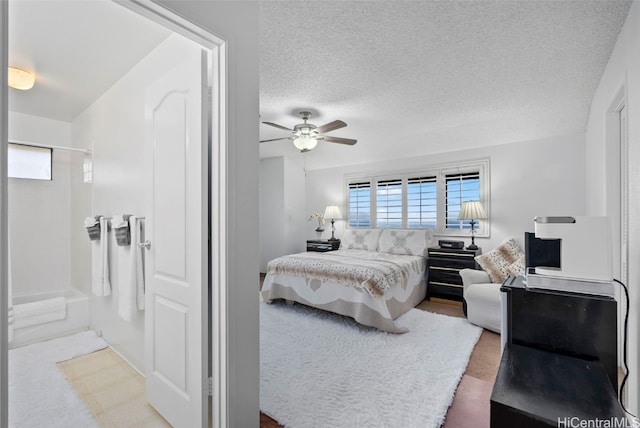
[(4, 281), (218, 197), (217, 80)]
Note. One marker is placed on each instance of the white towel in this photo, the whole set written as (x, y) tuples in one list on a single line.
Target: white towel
[(118, 221), (40, 312), (100, 284), (131, 289), (90, 221)]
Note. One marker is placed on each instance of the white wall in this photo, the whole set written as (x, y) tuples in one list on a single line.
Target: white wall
[(114, 128), (271, 192), (40, 237), (236, 22), (282, 209), (528, 179), (621, 77)]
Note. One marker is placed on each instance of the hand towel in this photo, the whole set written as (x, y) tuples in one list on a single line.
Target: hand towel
[(137, 258), (100, 284), (121, 230), (93, 227), (131, 279)]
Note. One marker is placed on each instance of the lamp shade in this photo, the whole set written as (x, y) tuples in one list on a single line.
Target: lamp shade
[(304, 143), (332, 212), (472, 210)]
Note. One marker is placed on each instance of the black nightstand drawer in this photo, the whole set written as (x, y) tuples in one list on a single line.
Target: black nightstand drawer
[(452, 262), (444, 265), (322, 245), (444, 274)]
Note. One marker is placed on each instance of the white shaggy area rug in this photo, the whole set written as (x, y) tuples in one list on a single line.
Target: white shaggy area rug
[(322, 370), (39, 394)]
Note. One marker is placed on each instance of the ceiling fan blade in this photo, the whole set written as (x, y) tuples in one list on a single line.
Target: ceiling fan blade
[(339, 140), (275, 139), (331, 126), (278, 126)]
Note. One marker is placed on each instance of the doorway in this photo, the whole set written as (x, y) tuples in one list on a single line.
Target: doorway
[(617, 203), (215, 102)]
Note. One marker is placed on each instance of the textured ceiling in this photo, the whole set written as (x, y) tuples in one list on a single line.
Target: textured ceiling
[(78, 50), (419, 77)]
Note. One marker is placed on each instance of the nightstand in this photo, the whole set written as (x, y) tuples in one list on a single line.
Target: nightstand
[(322, 245), (444, 265)]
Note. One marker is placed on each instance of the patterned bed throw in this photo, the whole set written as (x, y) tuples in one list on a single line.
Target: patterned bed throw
[(376, 272)]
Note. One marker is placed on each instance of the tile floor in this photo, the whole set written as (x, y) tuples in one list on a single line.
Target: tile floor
[(112, 390)]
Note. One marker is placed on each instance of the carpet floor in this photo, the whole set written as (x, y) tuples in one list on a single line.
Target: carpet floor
[(326, 370), (470, 407)]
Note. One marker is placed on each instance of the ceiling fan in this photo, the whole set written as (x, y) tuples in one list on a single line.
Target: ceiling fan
[(306, 135)]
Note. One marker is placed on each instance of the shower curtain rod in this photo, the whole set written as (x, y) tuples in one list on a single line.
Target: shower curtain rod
[(48, 146)]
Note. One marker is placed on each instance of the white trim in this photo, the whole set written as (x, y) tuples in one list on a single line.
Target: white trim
[(4, 119), (218, 239)]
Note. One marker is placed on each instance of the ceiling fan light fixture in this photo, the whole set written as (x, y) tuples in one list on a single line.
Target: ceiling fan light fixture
[(305, 143), (20, 79)]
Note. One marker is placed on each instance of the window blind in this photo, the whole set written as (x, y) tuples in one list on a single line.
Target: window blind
[(458, 189), (422, 202), (360, 204), (389, 203)]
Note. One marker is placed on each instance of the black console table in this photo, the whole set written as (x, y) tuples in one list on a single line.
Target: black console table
[(559, 360)]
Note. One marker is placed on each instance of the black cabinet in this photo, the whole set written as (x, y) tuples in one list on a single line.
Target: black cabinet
[(322, 245), (559, 360), (444, 265)]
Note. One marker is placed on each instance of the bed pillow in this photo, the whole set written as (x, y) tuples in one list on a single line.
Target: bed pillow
[(407, 242), (496, 262), (360, 239)]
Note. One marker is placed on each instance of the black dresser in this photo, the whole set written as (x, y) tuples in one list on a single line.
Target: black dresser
[(444, 265)]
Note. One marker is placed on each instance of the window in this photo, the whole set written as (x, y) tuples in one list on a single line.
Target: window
[(87, 169), (29, 162), (360, 204), (428, 199), (422, 202), (460, 188), (389, 203)]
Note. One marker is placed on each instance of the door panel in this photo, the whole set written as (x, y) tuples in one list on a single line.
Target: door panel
[(176, 296)]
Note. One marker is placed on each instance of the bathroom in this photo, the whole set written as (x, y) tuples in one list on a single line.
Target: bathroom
[(95, 122)]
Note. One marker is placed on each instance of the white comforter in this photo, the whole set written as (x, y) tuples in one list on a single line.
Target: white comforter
[(373, 271), (371, 287)]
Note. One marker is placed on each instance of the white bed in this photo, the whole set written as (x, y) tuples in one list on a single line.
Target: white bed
[(376, 276)]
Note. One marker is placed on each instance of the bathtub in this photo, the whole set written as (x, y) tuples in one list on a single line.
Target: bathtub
[(77, 318)]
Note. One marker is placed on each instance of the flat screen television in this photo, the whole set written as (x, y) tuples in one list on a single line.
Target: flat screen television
[(541, 252)]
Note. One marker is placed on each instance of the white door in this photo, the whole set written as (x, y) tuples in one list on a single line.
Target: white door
[(176, 229)]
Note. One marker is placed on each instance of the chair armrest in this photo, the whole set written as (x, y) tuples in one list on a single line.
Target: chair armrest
[(472, 276)]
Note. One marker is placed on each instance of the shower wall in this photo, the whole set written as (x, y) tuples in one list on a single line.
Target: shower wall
[(39, 212)]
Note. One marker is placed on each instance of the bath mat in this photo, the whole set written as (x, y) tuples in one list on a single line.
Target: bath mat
[(39, 395), (320, 369), (112, 390)]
